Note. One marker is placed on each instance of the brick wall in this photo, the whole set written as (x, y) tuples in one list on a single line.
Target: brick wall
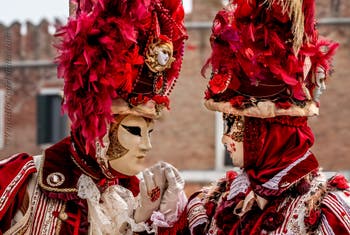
[(22, 84)]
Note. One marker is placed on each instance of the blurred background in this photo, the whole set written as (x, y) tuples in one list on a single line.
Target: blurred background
[(189, 135)]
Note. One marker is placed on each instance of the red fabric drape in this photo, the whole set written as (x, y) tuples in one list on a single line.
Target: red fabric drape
[(271, 145)]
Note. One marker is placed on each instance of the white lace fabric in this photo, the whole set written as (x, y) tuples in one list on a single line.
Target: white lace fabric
[(111, 212), (170, 216)]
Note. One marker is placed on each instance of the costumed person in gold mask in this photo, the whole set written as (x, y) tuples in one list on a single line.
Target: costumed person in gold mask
[(268, 71), (119, 60)]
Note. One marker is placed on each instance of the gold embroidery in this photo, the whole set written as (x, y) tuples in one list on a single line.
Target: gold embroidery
[(115, 149), (59, 222), (235, 127), (5, 196)]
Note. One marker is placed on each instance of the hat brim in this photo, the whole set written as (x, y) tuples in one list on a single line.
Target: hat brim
[(149, 109), (264, 109)]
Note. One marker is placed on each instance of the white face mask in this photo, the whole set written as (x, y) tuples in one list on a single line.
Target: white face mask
[(134, 136), (320, 84), (233, 138)]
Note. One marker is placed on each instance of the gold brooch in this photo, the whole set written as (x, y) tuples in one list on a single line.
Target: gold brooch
[(159, 55), (55, 179)]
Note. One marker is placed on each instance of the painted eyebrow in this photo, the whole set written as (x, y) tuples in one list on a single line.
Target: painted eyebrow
[(135, 130)]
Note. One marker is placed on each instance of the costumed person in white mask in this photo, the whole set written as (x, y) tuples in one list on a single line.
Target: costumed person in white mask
[(268, 68), (119, 60)]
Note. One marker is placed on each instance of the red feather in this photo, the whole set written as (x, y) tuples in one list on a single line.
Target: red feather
[(101, 56)]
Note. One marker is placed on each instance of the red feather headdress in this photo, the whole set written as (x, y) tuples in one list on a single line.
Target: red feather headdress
[(128, 52), (266, 59)]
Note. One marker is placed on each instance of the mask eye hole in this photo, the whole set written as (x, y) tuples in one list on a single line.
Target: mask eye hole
[(134, 130), (228, 123)]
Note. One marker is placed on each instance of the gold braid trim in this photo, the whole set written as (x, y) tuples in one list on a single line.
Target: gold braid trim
[(82, 169), (59, 221)]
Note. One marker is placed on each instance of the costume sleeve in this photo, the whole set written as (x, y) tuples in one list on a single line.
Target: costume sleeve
[(191, 219), (335, 218), (15, 171)]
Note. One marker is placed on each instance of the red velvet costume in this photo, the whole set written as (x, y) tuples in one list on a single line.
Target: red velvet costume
[(52, 208), (278, 167)]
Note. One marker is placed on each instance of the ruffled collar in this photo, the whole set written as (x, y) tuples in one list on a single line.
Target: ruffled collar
[(110, 210), (250, 193)]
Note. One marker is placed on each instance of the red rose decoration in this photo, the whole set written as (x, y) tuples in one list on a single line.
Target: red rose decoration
[(302, 187), (339, 182), (219, 83), (139, 99)]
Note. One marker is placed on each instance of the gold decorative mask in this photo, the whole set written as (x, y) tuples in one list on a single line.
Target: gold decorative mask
[(234, 127), (115, 149), (233, 137), (159, 55)]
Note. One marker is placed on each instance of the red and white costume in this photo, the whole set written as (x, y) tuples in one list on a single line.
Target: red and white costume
[(279, 191), (268, 68), (42, 196)]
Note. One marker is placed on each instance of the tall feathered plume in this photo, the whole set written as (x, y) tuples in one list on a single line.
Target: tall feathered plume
[(101, 58), (266, 50)]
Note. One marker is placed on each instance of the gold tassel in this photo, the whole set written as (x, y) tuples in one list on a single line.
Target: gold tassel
[(296, 13)]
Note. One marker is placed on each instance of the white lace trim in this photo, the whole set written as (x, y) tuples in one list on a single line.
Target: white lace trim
[(159, 220), (273, 183), (168, 218), (239, 185), (87, 189), (113, 213)]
